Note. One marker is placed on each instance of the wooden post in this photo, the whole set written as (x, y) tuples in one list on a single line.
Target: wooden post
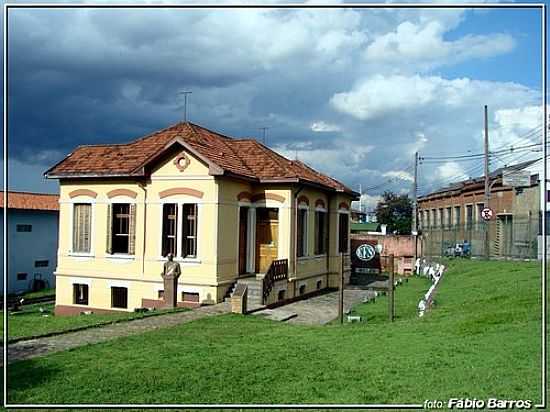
[(391, 287), (341, 290)]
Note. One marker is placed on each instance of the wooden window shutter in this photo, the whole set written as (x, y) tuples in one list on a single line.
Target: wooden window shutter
[(85, 228), (109, 229), (132, 230), (76, 226)]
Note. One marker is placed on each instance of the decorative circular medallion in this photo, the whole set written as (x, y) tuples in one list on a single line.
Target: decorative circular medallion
[(181, 162), (365, 252)]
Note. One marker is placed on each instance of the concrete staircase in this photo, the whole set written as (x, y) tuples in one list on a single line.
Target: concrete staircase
[(254, 292)]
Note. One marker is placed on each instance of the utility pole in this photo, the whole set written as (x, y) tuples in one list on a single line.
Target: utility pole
[(185, 94), (414, 228), (486, 202)]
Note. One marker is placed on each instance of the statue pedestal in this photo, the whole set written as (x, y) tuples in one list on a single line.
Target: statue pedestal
[(170, 291)]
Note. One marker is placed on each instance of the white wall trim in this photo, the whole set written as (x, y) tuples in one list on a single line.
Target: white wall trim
[(82, 281), (182, 177), (118, 284)]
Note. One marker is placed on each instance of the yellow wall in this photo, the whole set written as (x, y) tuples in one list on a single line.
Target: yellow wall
[(216, 265)]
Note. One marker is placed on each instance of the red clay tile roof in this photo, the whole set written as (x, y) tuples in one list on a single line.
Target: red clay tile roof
[(241, 157), (30, 201)]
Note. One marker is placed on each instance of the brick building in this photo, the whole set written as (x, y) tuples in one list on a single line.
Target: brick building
[(453, 214)]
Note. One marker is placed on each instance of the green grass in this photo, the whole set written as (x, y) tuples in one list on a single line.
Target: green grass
[(30, 322), (406, 298), (37, 294), (482, 340), (40, 294)]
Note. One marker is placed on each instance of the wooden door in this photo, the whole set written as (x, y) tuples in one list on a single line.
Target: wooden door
[(243, 238), (267, 231)]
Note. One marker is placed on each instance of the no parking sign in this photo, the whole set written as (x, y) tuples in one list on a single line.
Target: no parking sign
[(487, 213)]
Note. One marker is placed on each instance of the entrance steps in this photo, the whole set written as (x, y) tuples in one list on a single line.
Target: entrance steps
[(254, 292)]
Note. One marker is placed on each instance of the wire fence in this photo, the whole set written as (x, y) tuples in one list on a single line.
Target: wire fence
[(505, 237)]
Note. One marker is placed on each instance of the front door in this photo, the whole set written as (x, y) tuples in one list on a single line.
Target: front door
[(243, 238), (267, 230)]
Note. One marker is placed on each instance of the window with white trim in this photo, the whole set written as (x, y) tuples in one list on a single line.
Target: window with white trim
[(121, 221), (119, 297), (343, 232), (320, 232), (302, 233), (80, 294), (189, 239), (169, 229), (82, 227)]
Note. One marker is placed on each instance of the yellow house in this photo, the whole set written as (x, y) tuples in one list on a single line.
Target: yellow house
[(230, 210)]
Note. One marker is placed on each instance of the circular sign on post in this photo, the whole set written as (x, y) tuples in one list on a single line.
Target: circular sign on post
[(487, 213), (365, 252)]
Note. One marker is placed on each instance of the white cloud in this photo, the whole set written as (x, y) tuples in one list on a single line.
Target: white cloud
[(321, 126), (451, 172), (399, 174), (379, 95), (422, 46), (516, 127), (368, 202), (337, 161)]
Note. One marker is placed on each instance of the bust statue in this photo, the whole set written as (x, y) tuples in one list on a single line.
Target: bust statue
[(170, 275)]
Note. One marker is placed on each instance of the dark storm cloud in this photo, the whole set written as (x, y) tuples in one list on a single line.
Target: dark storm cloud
[(100, 76)]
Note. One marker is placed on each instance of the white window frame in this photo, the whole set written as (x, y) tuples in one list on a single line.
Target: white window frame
[(179, 229), (305, 240), (325, 211), (121, 200), (92, 202)]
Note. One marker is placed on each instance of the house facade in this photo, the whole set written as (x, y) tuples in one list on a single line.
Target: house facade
[(32, 227), (227, 209)]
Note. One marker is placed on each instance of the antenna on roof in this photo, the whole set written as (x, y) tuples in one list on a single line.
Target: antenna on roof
[(264, 130), (185, 93)]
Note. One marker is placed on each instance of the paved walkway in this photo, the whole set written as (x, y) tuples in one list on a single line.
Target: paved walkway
[(318, 310), (44, 346)]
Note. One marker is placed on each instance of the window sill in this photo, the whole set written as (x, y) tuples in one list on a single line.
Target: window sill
[(76, 254), (120, 256), (181, 260)]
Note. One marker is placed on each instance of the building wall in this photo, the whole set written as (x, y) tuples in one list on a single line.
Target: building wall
[(215, 267), (25, 248), (509, 231), (140, 272)]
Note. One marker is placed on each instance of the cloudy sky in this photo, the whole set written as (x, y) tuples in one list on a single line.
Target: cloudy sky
[(352, 92)]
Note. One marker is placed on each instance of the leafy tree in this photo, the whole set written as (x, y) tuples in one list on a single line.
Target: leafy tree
[(396, 212)]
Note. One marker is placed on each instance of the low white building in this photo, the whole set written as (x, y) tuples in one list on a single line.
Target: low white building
[(31, 233)]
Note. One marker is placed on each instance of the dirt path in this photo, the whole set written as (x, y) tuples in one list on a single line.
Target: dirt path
[(44, 346)]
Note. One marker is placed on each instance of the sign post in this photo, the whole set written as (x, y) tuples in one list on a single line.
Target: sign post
[(391, 306), (341, 291)]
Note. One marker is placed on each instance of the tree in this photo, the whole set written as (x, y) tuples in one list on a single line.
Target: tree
[(396, 212)]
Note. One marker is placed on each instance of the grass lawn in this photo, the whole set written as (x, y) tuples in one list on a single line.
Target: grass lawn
[(406, 298), (482, 340), (31, 322)]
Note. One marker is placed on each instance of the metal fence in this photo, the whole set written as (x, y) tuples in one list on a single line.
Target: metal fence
[(508, 237)]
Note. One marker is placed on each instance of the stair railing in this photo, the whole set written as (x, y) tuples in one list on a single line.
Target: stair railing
[(278, 270)]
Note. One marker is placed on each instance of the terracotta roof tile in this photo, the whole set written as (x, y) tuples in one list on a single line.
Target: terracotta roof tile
[(30, 201), (241, 157)]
